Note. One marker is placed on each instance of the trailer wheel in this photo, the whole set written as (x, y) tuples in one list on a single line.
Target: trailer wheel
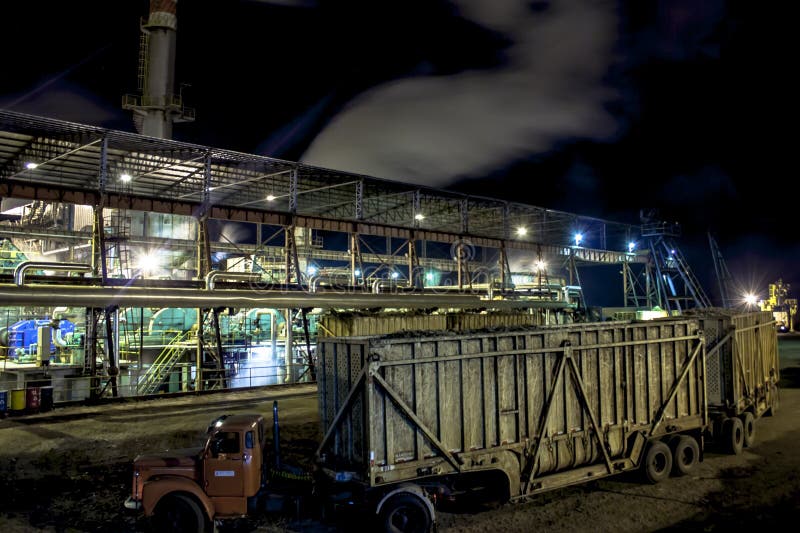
[(179, 513), (685, 455), (404, 513), (749, 429), (733, 435), (657, 462)]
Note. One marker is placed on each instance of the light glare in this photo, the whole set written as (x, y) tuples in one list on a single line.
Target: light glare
[(148, 262)]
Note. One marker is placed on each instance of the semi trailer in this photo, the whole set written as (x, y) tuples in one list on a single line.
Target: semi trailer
[(411, 420)]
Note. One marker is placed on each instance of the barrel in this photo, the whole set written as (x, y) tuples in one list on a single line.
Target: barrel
[(32, 395), (46, 399), (17, 404), (3, 403)]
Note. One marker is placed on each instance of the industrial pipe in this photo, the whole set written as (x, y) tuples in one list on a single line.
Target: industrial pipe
[(58, 340), (212, 276), (19, 272), (378, 283), (59, 314), (273, 325), (316, 279), (97, 297)]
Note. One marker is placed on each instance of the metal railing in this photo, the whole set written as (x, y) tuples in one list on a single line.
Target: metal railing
[(163, 365), (182, 379)]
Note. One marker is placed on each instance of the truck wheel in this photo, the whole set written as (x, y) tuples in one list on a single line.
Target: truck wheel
[(657, 462), (404, 513), (179, 513), (733, 435), (685, 455), (749, 429)]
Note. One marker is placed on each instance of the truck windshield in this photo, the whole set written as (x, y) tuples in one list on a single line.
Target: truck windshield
[(225, 442)]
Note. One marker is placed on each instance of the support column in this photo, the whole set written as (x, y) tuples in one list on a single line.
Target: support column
[(503, 263), (203, 265), (413, 271), (353, 255), (112, 325), (288, 352), (625, 268)]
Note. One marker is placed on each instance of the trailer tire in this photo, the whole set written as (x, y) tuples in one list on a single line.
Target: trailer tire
[(685, 454), (733, 435), (404, 513), (181, 514), (749, 427), (657, 462)]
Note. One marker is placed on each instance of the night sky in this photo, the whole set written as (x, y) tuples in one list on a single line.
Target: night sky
[(596, 107)]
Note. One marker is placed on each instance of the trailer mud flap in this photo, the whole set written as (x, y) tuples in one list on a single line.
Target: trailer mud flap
[(637, 442)]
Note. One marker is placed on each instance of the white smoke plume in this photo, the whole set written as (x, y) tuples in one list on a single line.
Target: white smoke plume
[(434, 130)]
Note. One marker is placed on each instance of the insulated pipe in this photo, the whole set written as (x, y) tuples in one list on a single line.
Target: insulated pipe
[(273, 325), (19, 272), (378, 283), (315, 280), (212, 276), (57, 339), (74, 296), (59, 314)]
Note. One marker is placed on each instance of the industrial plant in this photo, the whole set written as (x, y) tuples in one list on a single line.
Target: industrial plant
[(446, 340), (138, 265)]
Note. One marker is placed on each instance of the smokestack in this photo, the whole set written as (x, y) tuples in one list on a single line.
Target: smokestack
[(158, 107)]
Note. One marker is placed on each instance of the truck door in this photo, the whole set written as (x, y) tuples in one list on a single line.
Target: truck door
[(224, 472)]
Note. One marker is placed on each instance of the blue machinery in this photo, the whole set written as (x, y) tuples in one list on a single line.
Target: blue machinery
[(24, 336)]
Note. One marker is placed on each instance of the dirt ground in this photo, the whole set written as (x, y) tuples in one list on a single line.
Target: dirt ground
[(70, 470)]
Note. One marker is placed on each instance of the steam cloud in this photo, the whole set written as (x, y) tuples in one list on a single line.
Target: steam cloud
[(434, 130)]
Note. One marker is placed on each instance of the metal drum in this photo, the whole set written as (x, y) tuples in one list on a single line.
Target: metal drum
[(3, 403), (46, 399), (32, 395), (17, 403)]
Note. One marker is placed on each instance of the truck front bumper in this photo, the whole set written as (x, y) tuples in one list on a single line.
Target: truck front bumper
[(133, 505)]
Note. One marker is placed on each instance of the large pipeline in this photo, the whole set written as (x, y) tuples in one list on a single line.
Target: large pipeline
[(19, 272), (98, 297), (214, 275)]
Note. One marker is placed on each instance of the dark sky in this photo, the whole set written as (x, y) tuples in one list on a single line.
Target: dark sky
[(596, 107)]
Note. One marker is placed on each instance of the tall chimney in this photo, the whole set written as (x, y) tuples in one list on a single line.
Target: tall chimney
[(158, 107)]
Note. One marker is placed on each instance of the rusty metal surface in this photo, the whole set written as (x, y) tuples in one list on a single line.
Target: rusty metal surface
[(531, 402)]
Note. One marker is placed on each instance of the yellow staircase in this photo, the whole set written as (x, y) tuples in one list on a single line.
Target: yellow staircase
[(159, 371)]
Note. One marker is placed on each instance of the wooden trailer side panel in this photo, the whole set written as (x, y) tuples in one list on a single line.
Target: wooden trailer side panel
[(440, 404), (743, 366)]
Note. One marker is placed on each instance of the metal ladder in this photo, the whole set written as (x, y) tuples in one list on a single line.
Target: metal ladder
[(159, 371)]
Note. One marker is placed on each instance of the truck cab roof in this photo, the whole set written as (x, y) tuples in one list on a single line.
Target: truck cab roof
[(235, 422)]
